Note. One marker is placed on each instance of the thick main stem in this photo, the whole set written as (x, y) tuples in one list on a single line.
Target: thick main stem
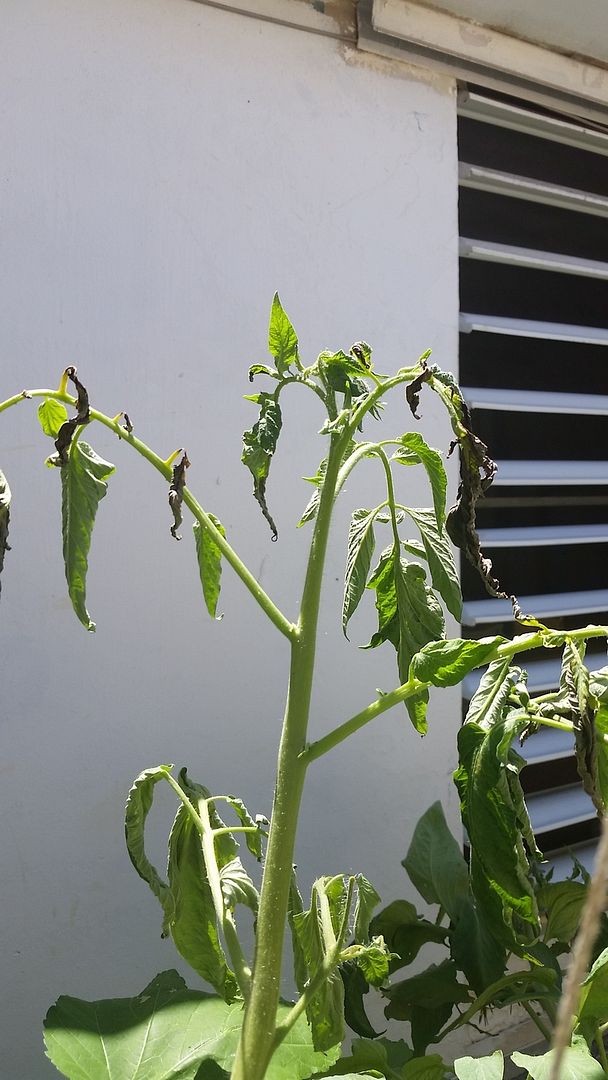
[(258, 1033)]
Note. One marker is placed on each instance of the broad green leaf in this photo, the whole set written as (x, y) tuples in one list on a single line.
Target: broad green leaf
[(5, 503), (367, 900), (494, 815), (475, 949), (84, 484), (193, 922), (209, 562), (430, 1067), (435, 864), (355, 989), (490, 698), (381, 1057), (361, 543), (325, 1011), (444, 574), (52, 415), (427, 1000), (282, 338), (562, 903), (445, 663), (593, 1001), (577, 1064), (485, 1068), (139, 803), (405, 932), (165, 1033), (415, 449), (237, 886), (259, 444)]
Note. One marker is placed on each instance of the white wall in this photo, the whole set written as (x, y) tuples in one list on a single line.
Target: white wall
[(165, 167)]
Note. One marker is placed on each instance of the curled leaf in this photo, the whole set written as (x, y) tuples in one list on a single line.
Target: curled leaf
[(67, 429), (259, 444), (176, 489), (84, 483), (412, 390), (5, 502)]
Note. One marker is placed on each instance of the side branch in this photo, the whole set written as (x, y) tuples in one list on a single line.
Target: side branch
[(276, 616)]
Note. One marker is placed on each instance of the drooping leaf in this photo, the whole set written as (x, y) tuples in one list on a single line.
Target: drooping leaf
[(601, 730), (316, 944), (139, 803), (444, 574), (575, 680), (445, 663), (367, 900), (259, 444), (475, 949), (209, 562), (253, 840), (413, 450), (165, 1033), (427, 1000), (577, 1064), (435, 864), (361, 543), (561, 902), (84, 484), (237, 886), (5, 504), (355, 989), (485, 1068), (489, 700), (52, 415), (192, 923), (282, 338), (593, 1001), (176, 492), (405, 932)]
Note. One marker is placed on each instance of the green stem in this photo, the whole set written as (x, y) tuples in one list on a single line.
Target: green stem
[(523, 643), (256, 1043), (601, 1049), (259, 595), (486, 998), (542, 1027)]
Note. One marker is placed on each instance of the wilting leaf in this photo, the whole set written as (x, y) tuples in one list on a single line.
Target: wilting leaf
[(5, 503), (355, 988), (312, 507), (165, 1033), (361, 543), (282, 338), (593, 1001), (435, 864), (489, 700), (562, 903), (209, 562), (575, 680), (475, 948), (405, 932), (440, 559), (176, 489), (415, 450), (252, 839), (52, 415), (259, 444), (577, 1064), (445, 663), (367, 900), (84, 484), (139, 803), (485, 1068), (237, 886), (427, 1000)]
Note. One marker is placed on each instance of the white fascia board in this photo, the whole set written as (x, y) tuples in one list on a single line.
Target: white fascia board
[(333, 18), (495, 51)]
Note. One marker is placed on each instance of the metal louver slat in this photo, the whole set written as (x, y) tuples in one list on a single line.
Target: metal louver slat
[(550, 473), (538, 401), (545, 605), (506, 255), (495, 182), (552, 809), (542, 674), (515, 118), (501, 324), (547, 745), (543, 535)]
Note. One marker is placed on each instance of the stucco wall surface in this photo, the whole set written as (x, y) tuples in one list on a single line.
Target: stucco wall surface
[(165, 167)]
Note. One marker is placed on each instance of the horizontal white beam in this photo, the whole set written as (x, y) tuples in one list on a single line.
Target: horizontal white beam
[(557, 809), (562, 863), (542, 606), (531, 328), (503, 114), (529, 259), (543, 675), (537, 401), (550, 473), (548, 744), (538, 191), (543, 536)]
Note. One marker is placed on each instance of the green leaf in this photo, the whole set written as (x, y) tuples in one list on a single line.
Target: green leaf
[(310, 512), (373, 959), (487, 705), (259, 444), (84, 484), (444, 574), (193, 923), (575, 681), (383, 1057), (355, 988), (427, 1000), (139, 803), (415, 450), (165, 1033), (282, 338), (52, 415), (485, 1068), (475, 949), (252, 839), (316, 942), (562, 903), (593, 1001), (577, 1064), (209, 562), (367, 900), (435, 864), (405, 932), (5, 503), (426, 1068), (237, 886), (361, 543), (445, 663)]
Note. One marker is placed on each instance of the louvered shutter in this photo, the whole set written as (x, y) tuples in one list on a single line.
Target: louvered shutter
[(534, 368)]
